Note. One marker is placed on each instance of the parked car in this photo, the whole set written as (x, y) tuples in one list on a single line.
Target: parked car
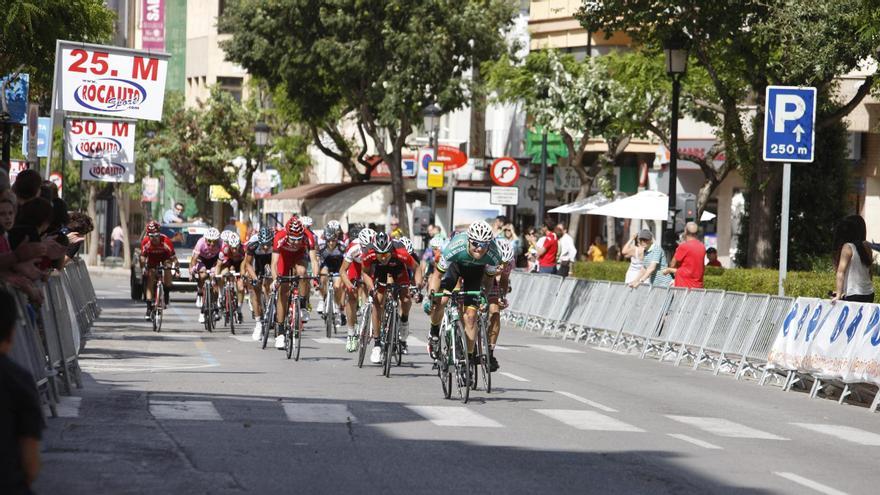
[(184, 237)]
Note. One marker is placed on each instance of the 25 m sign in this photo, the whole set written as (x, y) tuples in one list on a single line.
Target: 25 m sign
[(114, 82)]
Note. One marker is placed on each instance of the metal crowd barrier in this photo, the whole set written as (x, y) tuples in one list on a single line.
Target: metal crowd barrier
[(48, 338), (722, 332)]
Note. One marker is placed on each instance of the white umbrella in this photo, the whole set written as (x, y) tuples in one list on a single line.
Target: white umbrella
[(586, 204), (646, 205), (707, 216)]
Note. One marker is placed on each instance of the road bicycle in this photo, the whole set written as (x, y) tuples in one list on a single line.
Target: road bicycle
[(481, 365), (389, 326), (229, 300), (331, 312), (269, 310), (156, 315), (209, 309), (454, 366), (292, 327)]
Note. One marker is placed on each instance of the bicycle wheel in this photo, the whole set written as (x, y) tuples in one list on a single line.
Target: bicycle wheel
[(462, 367), (233, 309), (485, 369), (328, 312), (297, 332), (208, 308), (444, 368), (158, 307), (364, 334), (390, 341), (268, 320)]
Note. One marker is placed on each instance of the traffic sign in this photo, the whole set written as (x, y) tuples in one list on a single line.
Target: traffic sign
[(452, 157), (435, 175), (504, 195), (504, 171), (789, 124)]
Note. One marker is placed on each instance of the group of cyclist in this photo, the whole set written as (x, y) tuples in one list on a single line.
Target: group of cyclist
[(359, 268)]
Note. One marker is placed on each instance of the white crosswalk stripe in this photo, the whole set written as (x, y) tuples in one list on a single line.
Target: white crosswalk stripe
[(454, 416), (299, 412), (512, 376), (555, 348), (193, 410), (588, 402), (587, 420), (325, 340), (724, 428), (808, 483), (694, 441), (847, 433)]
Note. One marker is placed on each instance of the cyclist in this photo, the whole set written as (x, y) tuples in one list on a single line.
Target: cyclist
[(498, 297), (156, 249), (291, 248), (204, 257), (474, 258), (388, 258), (432, 254), (231, 258), (349, 273), (331, 255), (257, 256)]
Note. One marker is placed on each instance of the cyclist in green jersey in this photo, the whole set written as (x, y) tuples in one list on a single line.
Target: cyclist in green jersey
[(473, 258)]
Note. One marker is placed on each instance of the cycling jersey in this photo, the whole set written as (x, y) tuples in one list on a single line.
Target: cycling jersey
[(456, 252), (205, 251), (495, 291), (398, 265), (354, 255), (158, 252), (230, 257), (261, 255), (289, 254), (331, 258)]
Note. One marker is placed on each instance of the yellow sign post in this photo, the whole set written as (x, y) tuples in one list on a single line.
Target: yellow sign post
[(435, 175)]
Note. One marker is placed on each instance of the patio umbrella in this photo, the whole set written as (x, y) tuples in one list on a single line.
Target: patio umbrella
[(586, 204), (707, 216), (646, 205)]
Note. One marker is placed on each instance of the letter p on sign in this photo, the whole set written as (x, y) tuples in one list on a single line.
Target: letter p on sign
[(789, 120)]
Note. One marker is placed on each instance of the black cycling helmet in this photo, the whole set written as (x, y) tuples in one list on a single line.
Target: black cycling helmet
[(265, 236), (382, 243)]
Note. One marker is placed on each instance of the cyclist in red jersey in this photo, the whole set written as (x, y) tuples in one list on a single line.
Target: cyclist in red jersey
[(230, 258), (350, 273), (388, 258), (156, 249), (290, 250)]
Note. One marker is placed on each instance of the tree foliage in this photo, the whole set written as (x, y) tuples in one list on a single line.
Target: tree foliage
[(380, 61)]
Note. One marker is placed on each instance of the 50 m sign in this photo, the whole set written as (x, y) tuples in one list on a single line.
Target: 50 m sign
[(106, 81)]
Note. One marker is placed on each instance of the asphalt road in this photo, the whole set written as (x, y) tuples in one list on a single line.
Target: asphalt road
[(190, 412)]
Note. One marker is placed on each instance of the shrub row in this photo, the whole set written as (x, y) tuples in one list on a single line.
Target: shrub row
[(754, 280)]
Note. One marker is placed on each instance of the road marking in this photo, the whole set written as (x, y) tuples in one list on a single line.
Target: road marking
[(454, 416), (808, 483), (512, 376), (299, 412), (193, 410), (325, 340), (725, 428), (501, 348), (243, 338), (555, 348), (203, 350), (587, 420), (847, 433), (694, 441), (588, 402), (416, 341), (68, 407)]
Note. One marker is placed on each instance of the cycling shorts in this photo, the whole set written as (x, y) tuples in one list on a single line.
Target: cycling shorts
[(471, 280), (399, 274), (354, 271), (260, 264), (287, 264), (206, 263), (333, 264)]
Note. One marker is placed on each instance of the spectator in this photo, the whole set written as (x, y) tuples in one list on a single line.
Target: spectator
[(597, 250), (27, 185), (654, 263), (687, 263), (21, 417), (174, 215), (78, 227), (636, 254), (116, 239), (531, 250), (433, 230), (547, 248), (567, 251), (509, 233), (712, 255), (231, 225), (395, 231), (498, 224), (852, 260)]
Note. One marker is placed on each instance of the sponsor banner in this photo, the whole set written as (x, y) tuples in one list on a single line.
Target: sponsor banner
[(98, 139), (839, 341), (106, 81), (153, 24), (149, 190), (16, 97), (262, 187), (106, 171)]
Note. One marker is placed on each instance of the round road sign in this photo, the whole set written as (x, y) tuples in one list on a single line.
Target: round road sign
[(504, 171)]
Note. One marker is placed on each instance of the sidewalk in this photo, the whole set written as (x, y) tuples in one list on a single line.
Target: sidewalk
[(103, 271)]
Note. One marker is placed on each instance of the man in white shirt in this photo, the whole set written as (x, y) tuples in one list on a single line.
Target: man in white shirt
[(567, 251)]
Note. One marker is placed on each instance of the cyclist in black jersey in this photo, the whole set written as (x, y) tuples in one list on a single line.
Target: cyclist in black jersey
[(330, 255), (257, 258)]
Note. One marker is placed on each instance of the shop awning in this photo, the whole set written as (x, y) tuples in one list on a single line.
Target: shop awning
[(291, 200), (360, 203)]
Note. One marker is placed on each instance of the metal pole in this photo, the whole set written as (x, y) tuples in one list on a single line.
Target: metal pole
[(669, 229), (783, 236), (542, 181), (432, 193)]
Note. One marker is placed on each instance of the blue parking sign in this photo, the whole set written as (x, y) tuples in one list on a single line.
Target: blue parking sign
[(789, 124)]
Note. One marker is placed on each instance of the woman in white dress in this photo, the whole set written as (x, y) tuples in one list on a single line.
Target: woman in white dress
[(636, 255)]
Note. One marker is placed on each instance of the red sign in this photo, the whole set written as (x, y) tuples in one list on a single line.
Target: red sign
[(452, 157), (153, 24), (504, 171)]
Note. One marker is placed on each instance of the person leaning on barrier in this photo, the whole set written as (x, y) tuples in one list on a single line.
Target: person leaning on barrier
[(852, 261), (21, 418), (654, 262)]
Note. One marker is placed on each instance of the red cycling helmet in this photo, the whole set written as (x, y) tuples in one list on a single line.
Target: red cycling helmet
[(294, 228), (152, 227)]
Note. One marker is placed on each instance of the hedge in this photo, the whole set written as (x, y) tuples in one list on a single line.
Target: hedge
[(755, 280)]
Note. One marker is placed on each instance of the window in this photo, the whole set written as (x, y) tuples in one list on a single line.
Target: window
[(231, 85)]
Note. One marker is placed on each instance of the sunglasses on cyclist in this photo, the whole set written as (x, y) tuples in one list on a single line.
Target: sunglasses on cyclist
[(480, 244), (208, 241), (153, 236)]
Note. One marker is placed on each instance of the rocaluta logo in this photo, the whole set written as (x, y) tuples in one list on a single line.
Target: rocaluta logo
[(98, 147), (110, 94), (101, 170)]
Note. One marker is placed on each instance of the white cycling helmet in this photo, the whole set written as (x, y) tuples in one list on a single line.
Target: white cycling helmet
[(505, 248), (437, 242), (365, 237), (333, 225), (407, 244), (306, 221), (212, 234), (224, 236), (233, 240), (480, 231)]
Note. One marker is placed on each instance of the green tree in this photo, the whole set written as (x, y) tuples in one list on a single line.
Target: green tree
[(744, 47), (381, 60)]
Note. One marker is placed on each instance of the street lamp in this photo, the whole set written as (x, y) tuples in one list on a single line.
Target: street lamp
[(261, 139), (431, 117), (676, 51)]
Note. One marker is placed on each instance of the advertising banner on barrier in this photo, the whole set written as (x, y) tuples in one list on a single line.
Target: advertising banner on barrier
[(839, 341), (96, 139)]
